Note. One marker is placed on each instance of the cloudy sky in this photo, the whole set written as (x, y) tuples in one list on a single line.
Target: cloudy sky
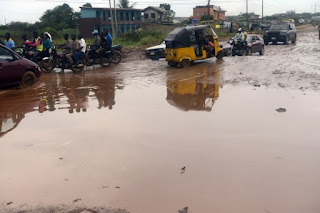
[(31, 10)]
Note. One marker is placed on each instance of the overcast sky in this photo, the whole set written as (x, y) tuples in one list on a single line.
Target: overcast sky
[(31, 10)]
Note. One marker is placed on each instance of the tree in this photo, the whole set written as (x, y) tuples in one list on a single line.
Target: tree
[(125, 4), (87, 5), (169, 14), (205, 17), (60, 17)]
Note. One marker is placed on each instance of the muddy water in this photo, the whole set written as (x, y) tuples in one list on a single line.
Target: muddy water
[(119, 137)]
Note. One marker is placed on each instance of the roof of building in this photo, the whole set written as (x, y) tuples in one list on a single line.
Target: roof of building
[(218, 8), (161, 10), (105, 8)]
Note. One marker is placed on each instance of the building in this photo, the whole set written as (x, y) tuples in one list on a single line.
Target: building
[(216, 11), (154, 14), (100, 19)]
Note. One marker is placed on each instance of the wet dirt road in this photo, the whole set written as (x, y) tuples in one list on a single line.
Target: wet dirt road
[(119, 137)]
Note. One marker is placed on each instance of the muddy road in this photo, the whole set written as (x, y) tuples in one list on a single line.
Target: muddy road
[(234, 136)]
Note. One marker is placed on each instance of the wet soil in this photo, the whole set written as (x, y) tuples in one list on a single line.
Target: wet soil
[(231, 136)]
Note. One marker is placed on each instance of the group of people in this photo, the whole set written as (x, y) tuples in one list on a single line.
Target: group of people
[(74, 49)]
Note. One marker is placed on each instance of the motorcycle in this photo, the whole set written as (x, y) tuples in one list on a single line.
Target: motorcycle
[(106, 58), (55, 61), (238, 47), (27, 52)]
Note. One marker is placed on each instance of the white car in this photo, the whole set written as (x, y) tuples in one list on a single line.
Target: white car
[(156, 52)]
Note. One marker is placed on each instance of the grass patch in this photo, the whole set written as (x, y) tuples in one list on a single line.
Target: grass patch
[(140, 39)]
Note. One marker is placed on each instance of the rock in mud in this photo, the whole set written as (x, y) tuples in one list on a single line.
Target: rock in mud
[(281, 85), (278, 72), (77, 200), (184, 210), (280, 110)]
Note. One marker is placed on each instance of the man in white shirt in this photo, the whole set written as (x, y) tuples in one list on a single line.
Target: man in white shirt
[(80, 53)]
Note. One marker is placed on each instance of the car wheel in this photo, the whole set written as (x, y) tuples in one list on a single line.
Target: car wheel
[(286, 41), (262, 50), (28, 79), (294, 39), (266, 42), (220, 55), (185, 63), (249, 52)]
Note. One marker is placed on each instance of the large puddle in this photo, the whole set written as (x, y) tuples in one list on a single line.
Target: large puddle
[(120, 139)]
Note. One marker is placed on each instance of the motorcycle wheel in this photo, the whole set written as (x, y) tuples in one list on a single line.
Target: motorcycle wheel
[(116, 57), (47, 65), (105, 62), (75, 68)]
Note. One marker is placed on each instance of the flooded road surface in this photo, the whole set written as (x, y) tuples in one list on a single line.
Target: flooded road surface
[(148, 138)]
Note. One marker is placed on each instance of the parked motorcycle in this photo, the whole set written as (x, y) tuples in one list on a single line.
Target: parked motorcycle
[(107, 58), (55, 61), (238, 47)]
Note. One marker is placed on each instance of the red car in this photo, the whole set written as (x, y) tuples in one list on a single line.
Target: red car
[(15, 70), (255, 44)]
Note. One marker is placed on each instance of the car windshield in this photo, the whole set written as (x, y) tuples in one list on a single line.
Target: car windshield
[(249, 39), (279, 27)]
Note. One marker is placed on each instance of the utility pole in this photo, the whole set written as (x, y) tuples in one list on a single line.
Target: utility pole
[(112, 24), (247, 12), (208, 14), (116, 18), (262, 11)]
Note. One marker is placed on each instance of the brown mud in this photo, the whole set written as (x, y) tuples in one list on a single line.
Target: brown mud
[(233, 136)]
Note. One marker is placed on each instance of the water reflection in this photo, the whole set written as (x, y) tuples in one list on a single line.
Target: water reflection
[(69, 93), (14, 107), (196, 88)]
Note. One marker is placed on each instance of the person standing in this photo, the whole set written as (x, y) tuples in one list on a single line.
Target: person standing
[(8, 42), (67, 51), (319, 31)]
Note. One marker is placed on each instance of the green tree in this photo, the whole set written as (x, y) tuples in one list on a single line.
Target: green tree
[(87, 5), (60, 17), (205, 17), (125, 4), (169, 14)]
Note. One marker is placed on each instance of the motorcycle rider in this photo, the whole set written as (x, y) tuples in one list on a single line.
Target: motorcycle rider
[(239, 37), (80, 52), (67, 52), (8, 42), (108, 38), (96, 46), (47, 44), (106, 41), (37, 44)]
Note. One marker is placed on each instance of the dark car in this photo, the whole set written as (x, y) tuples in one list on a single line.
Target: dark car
[(15, 70), (284, 32), (254, 44), (156, 52)]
